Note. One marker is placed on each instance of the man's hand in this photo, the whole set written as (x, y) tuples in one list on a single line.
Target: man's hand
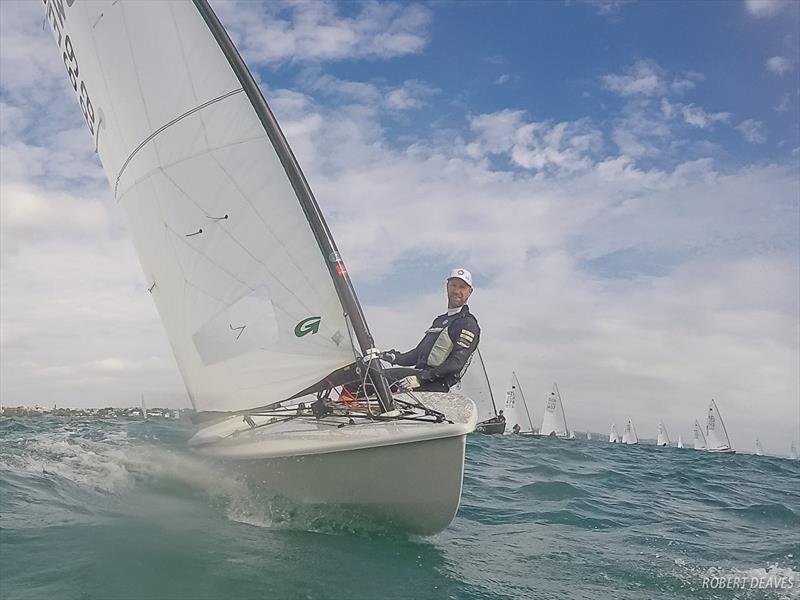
[(406, 384), (389, 356)]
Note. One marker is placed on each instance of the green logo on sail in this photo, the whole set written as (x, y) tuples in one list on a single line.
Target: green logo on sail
[(306, 326)]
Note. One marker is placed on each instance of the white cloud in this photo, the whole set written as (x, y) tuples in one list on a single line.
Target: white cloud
[(753, 131), (503, 79), (607, 8), (765, 8), (643, 78), (784, 104), (556, 147), (778, 65), (412, 94), (316, 31), (697, 117)]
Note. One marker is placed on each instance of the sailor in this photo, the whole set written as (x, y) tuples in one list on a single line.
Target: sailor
[(444, 352), (516, 428), (500, 418)]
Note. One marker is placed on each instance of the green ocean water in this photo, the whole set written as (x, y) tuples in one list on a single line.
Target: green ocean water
[(120, 509)]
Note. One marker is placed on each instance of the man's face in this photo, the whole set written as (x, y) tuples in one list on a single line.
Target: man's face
[(457, 292)]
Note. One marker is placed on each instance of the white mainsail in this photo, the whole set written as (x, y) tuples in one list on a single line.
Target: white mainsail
[(699, 437), (793, 452), (759, 448), (243, 288), (554, 420), (716, 434), (680, 442), (516, 409), (589, 435), (475, 385), (629, 435), (663, 436), (613, 436)]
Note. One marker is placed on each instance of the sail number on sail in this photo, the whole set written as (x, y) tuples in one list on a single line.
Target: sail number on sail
[(57, 15)]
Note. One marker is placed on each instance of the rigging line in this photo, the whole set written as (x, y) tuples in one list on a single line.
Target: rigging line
[(167, 126)]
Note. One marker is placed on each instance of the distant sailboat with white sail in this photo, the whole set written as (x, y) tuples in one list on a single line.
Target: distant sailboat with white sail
[(663, 436), (589, 435), (680, 442), (793, 452), (554, 419), (699, 437), (629, 435), (759, 448), (518, 417), (613, 436), (476, 386), (716, 434)]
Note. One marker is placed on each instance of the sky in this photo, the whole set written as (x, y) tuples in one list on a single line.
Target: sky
[(622, 179)]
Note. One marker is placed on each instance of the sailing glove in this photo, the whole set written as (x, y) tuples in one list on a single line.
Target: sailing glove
[(390, 356)]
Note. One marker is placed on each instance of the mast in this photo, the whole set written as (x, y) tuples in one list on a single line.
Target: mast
[(336, 267), (488, 383), (524, 403), (563, 414)]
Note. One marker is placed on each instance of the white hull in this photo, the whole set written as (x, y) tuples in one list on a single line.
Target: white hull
[(409, 473), (721, 450)]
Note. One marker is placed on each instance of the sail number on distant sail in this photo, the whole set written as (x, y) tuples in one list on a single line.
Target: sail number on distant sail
[(57, 15)]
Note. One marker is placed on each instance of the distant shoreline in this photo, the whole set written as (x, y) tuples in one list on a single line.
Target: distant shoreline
[(107, 412)]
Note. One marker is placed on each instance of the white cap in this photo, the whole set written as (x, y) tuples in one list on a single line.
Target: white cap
[(463, 275)]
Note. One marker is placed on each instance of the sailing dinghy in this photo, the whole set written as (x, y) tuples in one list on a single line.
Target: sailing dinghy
[(613, 436), (554, 420), (475, 385), (255, 299), (680, 442), (759, 448), (716, 434), (699, 437), (629, 434), (663, 436), (518, 418)]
